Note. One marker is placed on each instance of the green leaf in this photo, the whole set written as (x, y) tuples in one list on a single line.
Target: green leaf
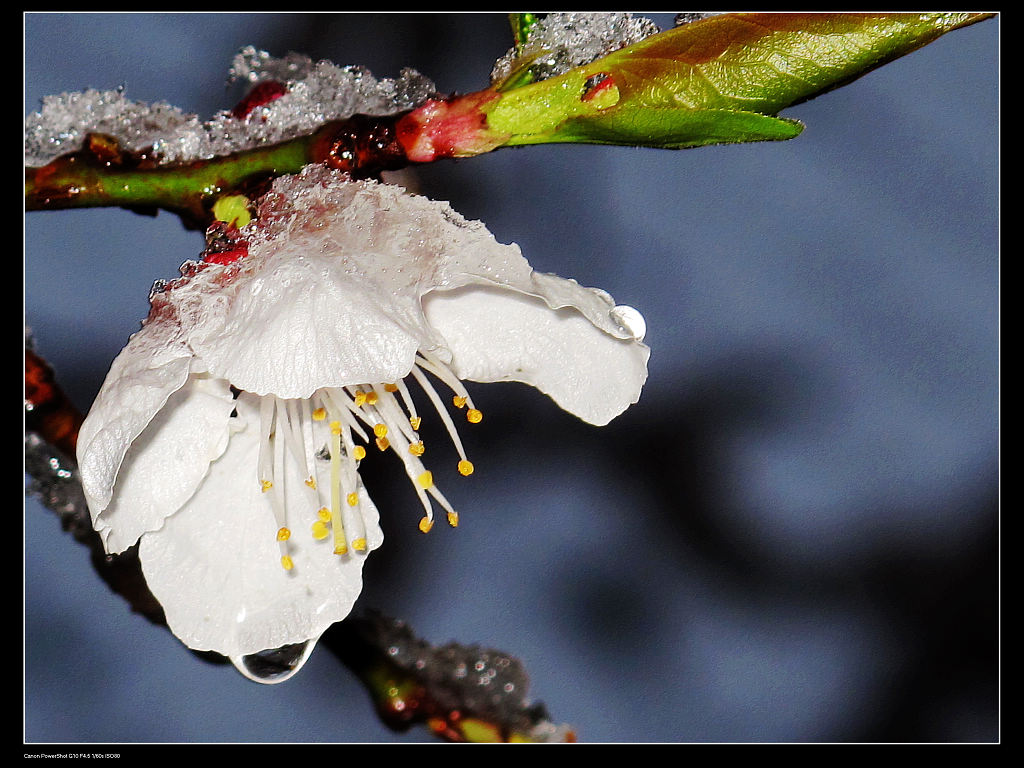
[(719, 80), (674, 128)]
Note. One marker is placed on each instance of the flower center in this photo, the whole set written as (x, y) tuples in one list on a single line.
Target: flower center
[(318, 437)]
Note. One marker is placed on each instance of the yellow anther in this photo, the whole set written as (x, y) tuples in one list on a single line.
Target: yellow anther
[(283, 534), (341, 549), (335, 427), (286, 563), (426, 524), (359, 545), (359, 398), (324, 514), (320, 531), (371, 398), (459, 401), (311, 482), (453, 519), (352, 499), (319, 414), (359, 453), (466, 467), (380, 430), (390, 387), (414, 422), (473, 416), (266, 485), (426, 480), (383, 444), (417, 449)]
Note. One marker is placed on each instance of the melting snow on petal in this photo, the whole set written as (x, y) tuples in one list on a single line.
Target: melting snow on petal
[(228, 435)]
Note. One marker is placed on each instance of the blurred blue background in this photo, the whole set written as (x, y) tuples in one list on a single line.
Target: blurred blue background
[(792, 537)]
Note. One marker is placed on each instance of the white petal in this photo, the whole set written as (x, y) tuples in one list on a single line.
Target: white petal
[(152, 366), (500, 335), (292, 328), (330, 294), (167, 461), (381, 235), (215, 565)]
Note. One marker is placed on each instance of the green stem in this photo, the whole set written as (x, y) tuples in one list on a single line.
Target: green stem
[(82, 180), (102, 175)]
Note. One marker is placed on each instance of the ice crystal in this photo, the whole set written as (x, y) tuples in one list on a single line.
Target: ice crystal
[(562, 41), (54, 480), (476, 681), (691, 16), (315, 93), (60, 126)]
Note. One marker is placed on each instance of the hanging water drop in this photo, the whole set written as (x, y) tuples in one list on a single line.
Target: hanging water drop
[(274, 665)]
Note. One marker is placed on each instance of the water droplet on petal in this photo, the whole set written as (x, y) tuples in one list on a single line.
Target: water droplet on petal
[(630, 321), (274, 665)]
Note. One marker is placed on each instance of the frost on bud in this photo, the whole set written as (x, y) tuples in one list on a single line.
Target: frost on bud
[(562, 41), (690, 17)]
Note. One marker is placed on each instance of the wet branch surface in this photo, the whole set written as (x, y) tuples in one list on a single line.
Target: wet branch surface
[(103, 174)]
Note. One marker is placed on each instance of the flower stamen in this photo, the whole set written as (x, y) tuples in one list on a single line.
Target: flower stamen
[(345, 409), (441, 411), (293, 433), (289, 431), (410, 407), (356, 523), (429, 362), (266, 465), (277, 491), (340, 547)]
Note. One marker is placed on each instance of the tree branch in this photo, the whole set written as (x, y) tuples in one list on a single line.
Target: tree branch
[(102, 174), (718, 80)]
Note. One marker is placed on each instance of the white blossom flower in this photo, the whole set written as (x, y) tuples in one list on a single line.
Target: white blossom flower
[(227, 436)]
